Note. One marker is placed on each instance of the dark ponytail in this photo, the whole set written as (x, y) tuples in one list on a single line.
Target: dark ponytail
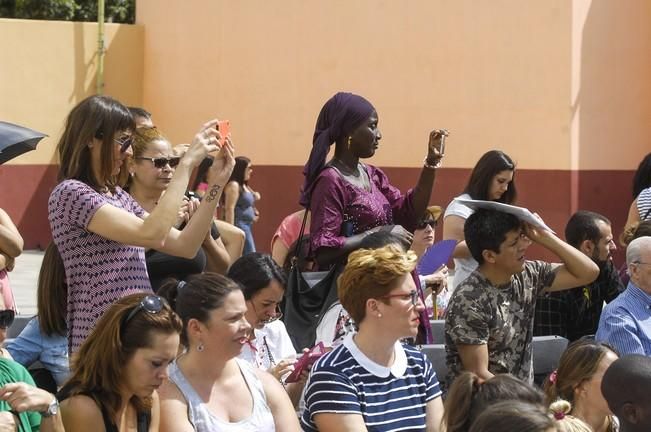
[(196, 297)]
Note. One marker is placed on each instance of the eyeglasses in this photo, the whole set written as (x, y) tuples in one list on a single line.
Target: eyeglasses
[(6, 318), (412, 296), (423, 224), (125, 142), (151, 304), (160, 162)]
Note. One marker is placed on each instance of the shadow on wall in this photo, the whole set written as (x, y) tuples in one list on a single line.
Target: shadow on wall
[(26, 188)]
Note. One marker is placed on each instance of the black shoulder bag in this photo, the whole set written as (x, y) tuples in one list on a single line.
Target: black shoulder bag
[(307, 297)]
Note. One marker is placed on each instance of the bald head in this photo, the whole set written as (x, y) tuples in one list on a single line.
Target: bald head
[(625, 387), (637, 250)]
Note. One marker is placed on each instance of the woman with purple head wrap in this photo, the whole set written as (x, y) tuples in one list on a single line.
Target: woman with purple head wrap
[(349, 200)]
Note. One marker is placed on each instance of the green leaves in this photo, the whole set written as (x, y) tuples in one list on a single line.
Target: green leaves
[(116, 11)]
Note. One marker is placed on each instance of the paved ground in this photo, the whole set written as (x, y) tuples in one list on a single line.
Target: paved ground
[(23, 281)]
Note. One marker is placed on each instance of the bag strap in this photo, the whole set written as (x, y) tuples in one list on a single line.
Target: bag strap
[(299, 243)]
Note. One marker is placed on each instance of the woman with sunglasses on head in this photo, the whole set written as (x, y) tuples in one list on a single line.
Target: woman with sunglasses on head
[(492, 179), (269, 346), (210, 389), (100, 231), (151, 169), (373, 378), (23, 406), (117, 370)]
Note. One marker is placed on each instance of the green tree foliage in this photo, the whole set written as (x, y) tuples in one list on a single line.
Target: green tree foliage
[(117, 11)]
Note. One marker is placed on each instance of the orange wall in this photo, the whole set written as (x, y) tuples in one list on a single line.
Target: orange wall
[(495, 73), (47, 67), (562, 86)]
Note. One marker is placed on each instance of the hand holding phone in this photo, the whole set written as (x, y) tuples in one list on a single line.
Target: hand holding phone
[(224, 128), (306, 361), (436, 146)]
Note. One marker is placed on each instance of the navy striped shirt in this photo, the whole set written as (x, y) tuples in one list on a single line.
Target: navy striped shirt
[(626, 322), (345, 381)]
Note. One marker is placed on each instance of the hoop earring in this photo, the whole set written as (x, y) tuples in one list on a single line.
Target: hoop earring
[(200, 347), (350, 140)]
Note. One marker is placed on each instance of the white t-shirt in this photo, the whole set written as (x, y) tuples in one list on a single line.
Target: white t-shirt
[(270, 346), (462, 266), (334, 326)]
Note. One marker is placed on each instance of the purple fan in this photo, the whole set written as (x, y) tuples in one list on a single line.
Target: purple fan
[(436, 256)]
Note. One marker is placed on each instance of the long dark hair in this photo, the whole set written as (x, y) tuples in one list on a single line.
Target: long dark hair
[(99, 117), (642, 178), (481, 178), (195, 298), (241, 162), (254, 272), (52, 293)]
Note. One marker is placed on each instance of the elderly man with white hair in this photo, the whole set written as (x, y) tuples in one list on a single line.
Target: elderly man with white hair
[(626, 321)]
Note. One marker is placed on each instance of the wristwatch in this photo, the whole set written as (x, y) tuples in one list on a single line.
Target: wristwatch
[(52, 409)]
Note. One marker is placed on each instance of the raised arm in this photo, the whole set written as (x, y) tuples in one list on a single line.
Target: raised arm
[(152, 232), (11, 242), (231, 195), (577, 269), (453, 230), (217, 258), (423, 189)]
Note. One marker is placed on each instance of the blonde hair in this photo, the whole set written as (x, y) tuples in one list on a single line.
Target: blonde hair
[(434, 212), (565, 422), (142, 137), (372, 273)]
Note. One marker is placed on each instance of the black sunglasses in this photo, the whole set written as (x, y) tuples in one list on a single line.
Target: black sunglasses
[(423, 224), (125, 143), (6, 318), (160, 162), (151, 304)]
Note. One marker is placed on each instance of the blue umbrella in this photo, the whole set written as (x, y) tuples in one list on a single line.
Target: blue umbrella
[(16, 140)]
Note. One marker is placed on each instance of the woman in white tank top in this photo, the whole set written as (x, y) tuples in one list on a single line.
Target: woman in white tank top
[(210, 390)]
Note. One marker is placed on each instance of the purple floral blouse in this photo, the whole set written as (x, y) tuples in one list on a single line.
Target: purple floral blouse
[(336, 203)]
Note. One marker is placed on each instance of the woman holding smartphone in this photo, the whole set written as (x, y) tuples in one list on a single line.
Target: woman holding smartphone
[(349, 199), (151, 170), (100, 231)]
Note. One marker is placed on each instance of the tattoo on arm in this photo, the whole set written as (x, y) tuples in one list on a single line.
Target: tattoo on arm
[(213, 192)]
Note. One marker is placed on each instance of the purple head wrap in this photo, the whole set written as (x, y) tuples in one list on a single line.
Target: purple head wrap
[(340, 116)]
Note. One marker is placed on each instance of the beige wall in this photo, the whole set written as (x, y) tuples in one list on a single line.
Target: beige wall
[(49, 66), (556, 84), (495, 73)]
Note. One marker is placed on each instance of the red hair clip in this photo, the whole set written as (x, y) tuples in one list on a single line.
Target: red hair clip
[(559, 415), (553, 376)]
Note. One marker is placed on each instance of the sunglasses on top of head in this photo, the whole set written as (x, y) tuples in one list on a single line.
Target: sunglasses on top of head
[(160, 162), (152, 304)]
